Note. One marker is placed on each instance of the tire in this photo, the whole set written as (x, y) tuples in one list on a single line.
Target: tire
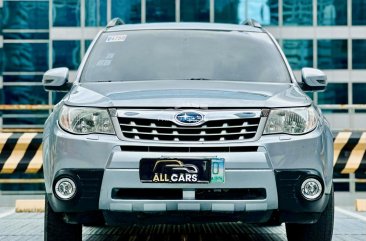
[(55, 229), (319, 231)]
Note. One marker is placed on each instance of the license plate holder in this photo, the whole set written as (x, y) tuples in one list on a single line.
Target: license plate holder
[(177, 170)]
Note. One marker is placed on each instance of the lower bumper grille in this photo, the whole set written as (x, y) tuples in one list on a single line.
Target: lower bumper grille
[(201, 194), (189, 149)]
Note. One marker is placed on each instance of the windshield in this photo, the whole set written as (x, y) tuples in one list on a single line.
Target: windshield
[(185, 55)]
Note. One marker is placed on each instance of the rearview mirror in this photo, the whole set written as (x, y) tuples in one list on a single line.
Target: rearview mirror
[(56, 80), (313, 80)]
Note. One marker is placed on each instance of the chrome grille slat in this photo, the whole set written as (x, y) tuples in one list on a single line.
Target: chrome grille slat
[(219, 129), (164, 134), (184, 127)]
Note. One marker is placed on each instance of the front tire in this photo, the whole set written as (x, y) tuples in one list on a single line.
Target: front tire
[(55, 229), (319, 231)]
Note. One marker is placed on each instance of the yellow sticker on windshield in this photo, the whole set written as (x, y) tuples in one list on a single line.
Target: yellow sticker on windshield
[(116, 38)]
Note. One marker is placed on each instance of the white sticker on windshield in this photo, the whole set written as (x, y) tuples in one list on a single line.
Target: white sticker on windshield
[(116, 38), (104, 62)]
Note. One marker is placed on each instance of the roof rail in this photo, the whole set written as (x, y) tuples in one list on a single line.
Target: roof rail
[(251, 22), (115, 22)]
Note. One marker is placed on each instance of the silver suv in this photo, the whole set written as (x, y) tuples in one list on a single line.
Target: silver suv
[(184, 123)]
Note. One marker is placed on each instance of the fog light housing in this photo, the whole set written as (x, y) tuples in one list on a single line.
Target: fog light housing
[(311, 189), (65, 188)]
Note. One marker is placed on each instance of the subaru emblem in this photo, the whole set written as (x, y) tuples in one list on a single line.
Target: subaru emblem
[(189, 118)]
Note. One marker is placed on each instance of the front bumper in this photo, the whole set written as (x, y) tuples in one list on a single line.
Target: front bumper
[(250, 169)]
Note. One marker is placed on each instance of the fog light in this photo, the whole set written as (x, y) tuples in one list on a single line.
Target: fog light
[(65, 188), (311, 189)]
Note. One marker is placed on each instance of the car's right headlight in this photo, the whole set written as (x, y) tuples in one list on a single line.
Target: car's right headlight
[(80, 120), (293, 121)]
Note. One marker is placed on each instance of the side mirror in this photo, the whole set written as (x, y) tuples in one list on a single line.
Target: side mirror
[(56, 80), (313, 80)]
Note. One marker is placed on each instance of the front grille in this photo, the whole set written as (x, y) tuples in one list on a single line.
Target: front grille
[(212, 130)]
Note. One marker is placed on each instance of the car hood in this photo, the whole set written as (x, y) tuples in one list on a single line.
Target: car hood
[(187, 94)]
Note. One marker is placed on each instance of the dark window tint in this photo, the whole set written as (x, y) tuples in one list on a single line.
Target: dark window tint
[(66, 54), (34, 95), (299, 53), (332, 54), (31, 57), (359, 90), (160, 11), (87, 44), (359, 54), (332, 12), (95, 12), (25, 15), (298, 12), (237, 11), (185, 54), (23, 78), (26, 35), (195, 11), (336, 93), (1, 60), (358, 12), (128, 10), (57, 96), (66, 13)]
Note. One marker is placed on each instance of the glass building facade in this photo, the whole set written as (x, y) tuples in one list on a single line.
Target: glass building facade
[(36, 35)]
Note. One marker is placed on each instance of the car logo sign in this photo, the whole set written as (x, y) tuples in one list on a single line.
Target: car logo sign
[(190, 118)]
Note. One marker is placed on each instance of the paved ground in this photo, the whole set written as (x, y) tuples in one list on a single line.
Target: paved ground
[(349, 226)]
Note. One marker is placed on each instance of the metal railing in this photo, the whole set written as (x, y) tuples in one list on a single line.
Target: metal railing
[(343, 107)]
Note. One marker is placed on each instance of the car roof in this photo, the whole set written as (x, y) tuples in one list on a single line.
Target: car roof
[(185, 26)]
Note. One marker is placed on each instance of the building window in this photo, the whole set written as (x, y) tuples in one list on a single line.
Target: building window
[(237, 11), (27, 35), (87, 44), (358, 95), (195, 11), (359, 54), (25, 15), (298, 12), (22, 78), (299, 53), (25, 57), (359, 90), (160, 11), (21, 95), (1, 61), (358, 12), (1, 20), (336, 93), (57, 97), (66, 13), (128, 10), (95, 12), (70, 58), (332, 54), (332, 12)]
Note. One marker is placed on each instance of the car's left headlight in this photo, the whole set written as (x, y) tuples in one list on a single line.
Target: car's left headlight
[(80, 120), (293, 121)]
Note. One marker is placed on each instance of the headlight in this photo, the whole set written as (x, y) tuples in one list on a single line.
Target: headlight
[(80, 120), (292, 121)]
